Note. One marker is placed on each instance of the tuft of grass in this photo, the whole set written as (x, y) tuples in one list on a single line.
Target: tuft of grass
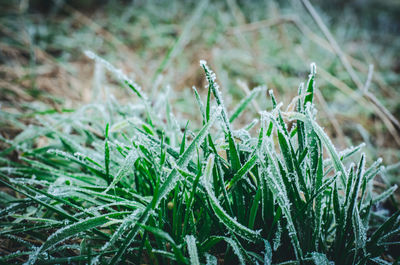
[(123, 184)]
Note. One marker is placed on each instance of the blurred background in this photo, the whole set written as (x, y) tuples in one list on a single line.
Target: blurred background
[(248, 43)]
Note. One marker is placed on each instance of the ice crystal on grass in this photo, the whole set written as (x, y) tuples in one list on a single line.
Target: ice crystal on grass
[(210, 259), (192, 249), (277, 238)]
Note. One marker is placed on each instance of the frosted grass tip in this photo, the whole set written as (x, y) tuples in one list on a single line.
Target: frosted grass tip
[(90, 54), (203, 63), (313, 67)]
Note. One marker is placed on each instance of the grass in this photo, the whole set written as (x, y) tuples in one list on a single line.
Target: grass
[(248, 44), (128, 183)]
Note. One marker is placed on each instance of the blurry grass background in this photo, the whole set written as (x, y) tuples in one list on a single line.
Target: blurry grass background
[(248, 43)]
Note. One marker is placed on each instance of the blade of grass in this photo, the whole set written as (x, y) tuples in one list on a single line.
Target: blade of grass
[(166, 186), (227, 220), (192, 249)]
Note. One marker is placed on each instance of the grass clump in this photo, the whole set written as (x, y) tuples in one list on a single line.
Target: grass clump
[(110, 183)]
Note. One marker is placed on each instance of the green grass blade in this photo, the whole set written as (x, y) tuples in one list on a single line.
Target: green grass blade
[(183, 143), (201, 105), (192, 249), (243, 104), (254, 208), (384, 195), (310, 86), (227, 220), (107, 156), (124, 169), (242, 171)]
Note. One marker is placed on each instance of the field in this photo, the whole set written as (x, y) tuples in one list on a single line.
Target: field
[(199, 132)]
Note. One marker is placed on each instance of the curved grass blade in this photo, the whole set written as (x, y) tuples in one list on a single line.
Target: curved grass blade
[(71, 230), (227, 220)]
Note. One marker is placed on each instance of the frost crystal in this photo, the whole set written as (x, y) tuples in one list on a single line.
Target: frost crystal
[(277, 239)]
